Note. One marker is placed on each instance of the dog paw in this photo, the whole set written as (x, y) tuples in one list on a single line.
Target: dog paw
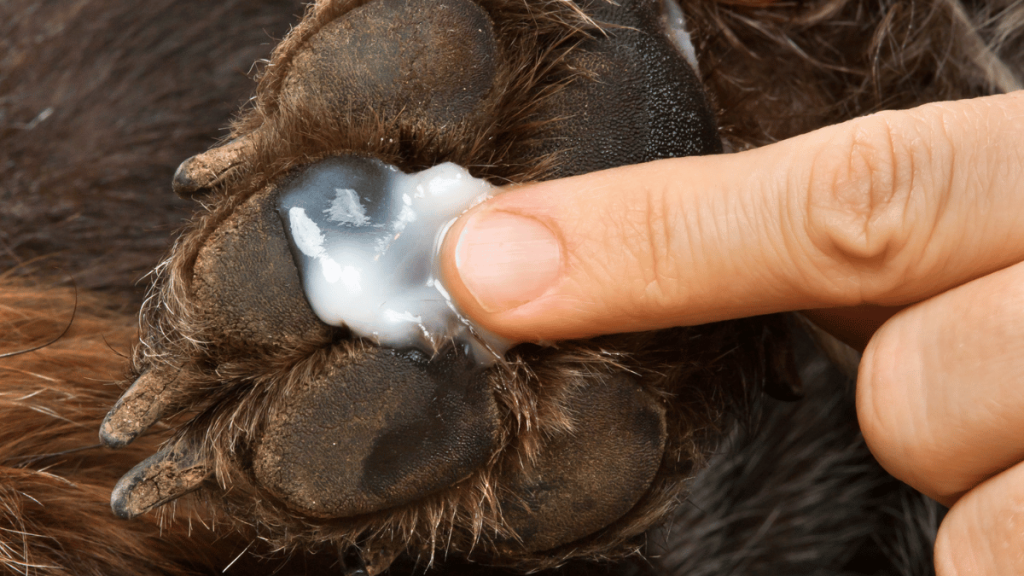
[(315, 433)]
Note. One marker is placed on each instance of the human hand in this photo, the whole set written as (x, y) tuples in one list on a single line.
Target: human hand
[(915, 215)]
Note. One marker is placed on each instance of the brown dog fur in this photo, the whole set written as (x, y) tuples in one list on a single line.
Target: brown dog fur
[(774, 71), (55, 478)]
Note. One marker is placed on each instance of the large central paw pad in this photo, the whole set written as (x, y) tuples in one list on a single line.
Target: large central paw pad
[(323, 387), (377, 432)]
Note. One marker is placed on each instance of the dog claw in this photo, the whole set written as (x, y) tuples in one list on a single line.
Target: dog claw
[(137, 409), (172, 472), (199, 174)]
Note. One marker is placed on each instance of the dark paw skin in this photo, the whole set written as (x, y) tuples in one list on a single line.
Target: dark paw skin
[(582, 482), (311, 436), (376, 432)]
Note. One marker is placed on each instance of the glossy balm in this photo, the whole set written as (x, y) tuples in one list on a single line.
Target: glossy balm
[(366, 237)]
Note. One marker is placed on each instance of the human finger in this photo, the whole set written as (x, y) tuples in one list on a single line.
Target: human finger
[(883, 210), (982, 533), (938, 394)]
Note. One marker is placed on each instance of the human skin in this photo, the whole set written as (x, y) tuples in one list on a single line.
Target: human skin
[(900, 232)]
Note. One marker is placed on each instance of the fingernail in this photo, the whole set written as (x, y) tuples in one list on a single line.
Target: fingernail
[(507, 260)]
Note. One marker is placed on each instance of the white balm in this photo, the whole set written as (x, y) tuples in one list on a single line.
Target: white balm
[(675, 28), (366, 236)]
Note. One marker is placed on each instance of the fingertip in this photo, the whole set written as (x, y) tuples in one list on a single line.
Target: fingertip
[(451, 279), (944, 557), (500, 258), (969, 537), (505, 260), (556, 260)]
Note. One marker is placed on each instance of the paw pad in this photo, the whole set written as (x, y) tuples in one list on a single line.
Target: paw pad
[(377, 432)]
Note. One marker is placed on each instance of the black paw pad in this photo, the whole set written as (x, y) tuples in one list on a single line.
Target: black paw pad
[(639, 100), (432, 62), (376, 432), (590, 477), (245, 283)]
